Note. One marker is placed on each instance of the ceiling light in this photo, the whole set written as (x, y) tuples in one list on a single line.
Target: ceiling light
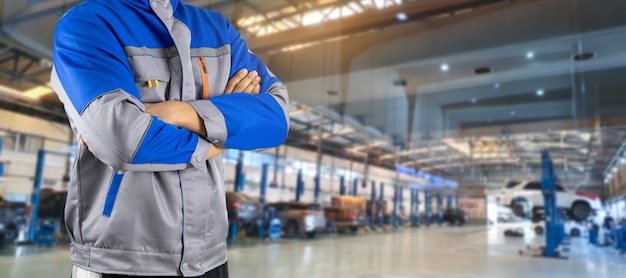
[(38, 91), (401, 16), (512, 112), (445, 67), (622, 161), (473, 100), (312, 18), (530, 55), (614, 170), (540, 92), (497, 85)]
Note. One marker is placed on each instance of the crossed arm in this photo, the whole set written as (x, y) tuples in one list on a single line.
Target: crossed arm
[(183, 115), (94, 80)]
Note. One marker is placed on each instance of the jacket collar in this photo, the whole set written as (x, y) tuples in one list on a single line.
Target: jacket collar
[(147, 4)]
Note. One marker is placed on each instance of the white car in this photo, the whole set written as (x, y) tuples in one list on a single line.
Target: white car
[(523, 196), (572, 229)]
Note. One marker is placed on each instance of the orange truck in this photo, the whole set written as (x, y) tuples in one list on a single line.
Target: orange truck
[(346, 212)]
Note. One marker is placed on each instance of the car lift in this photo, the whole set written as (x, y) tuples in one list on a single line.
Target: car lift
[(240, 181), (398, 199), (372, 206), (299, 186), (263, 219), (41, 232), (342, 186), (439, 208), (554, 221), (428, 207), (381, 211), (415, 203)]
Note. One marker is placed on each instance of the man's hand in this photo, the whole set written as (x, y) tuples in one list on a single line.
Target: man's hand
[(244, 81)]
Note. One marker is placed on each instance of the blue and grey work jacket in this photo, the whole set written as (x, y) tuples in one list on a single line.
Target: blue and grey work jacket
[(143, 199)]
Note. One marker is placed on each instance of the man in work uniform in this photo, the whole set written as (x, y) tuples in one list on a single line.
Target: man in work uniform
[(143, 85)]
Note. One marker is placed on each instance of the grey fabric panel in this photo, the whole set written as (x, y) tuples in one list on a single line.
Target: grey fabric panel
[(210, 52), (218, 69), (148, 68), (153, 52), (214, 121), (280, 94), (194, 228), (182, 39), (152, 264), (113, 111)]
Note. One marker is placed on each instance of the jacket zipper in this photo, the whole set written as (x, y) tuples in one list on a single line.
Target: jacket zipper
[(205, 78)]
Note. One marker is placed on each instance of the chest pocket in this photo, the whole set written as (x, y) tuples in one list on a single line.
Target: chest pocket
[(152, 77), (210, 72)]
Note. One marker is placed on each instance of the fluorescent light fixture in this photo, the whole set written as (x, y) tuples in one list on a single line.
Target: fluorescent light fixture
[(371, 145), (473, 100), (530, 55), (445, 67), (512, 112), (299, 111), (497, 85), (402, 17), (540, 92), (38, 91), (343, 131)]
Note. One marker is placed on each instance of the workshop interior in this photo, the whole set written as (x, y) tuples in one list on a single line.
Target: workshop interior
[(427, 138)]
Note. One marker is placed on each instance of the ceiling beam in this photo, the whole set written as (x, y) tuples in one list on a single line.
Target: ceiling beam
[(368, 20)]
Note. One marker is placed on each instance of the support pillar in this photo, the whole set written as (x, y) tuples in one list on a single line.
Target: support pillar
[(41, 157), (262, 199), (299, 186), (381, 211)]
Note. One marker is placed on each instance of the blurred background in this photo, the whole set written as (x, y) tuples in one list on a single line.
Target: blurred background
[(452, 98)]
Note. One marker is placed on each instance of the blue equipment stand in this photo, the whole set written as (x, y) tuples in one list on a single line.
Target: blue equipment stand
[(381, 211), (299, 186), (428, 208), (621, 239), (555, 231), (439, 208), (449, 202), (275, 225), (355, 187)]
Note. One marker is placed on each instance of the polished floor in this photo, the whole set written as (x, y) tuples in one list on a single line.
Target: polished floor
[(429, 253)]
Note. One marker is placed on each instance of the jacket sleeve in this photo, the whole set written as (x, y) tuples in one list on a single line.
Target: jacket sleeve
[(244, 121), (93, 79)]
